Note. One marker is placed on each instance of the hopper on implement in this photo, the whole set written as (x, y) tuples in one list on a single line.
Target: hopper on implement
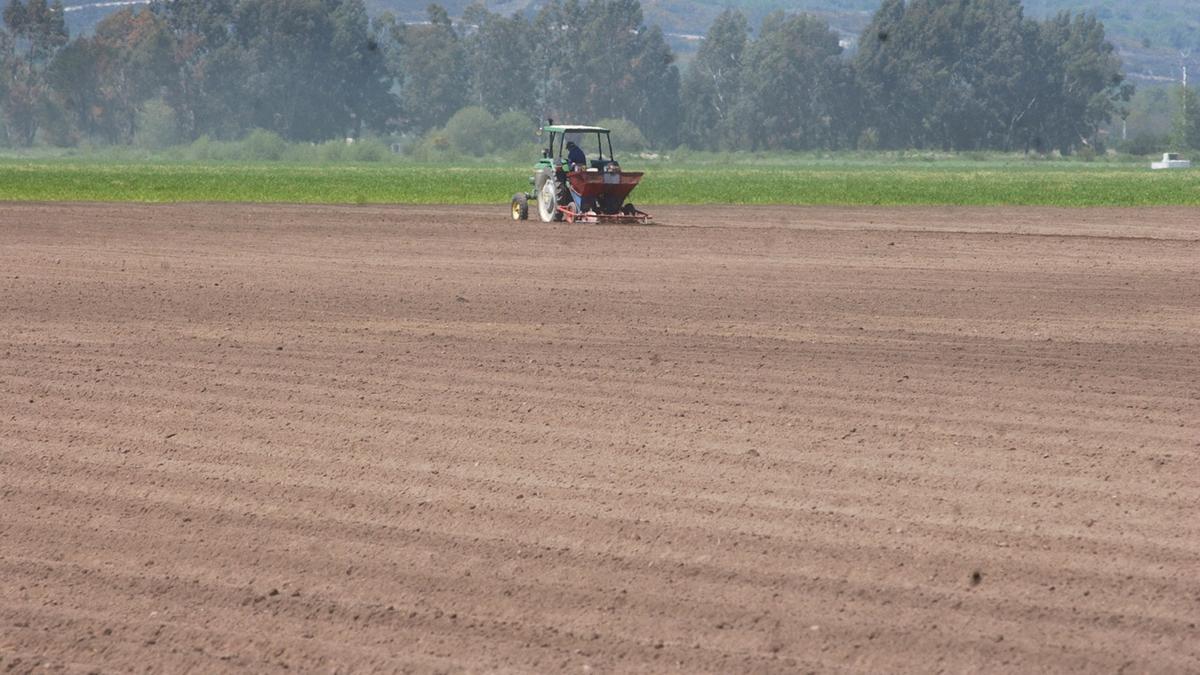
[(572, 187)]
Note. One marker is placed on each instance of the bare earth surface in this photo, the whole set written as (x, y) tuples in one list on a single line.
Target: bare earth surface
[(760, 440)]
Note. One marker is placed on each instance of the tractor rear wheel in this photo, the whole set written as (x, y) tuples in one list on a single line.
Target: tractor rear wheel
[(520, 207), (548, 202)]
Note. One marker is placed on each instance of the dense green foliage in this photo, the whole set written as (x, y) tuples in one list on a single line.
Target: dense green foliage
[(939, 74), (747, 181), (35, 33), (965, 75), (314, 70), (1150, 34), (1169, 24), (1185, 126), (979, 74)]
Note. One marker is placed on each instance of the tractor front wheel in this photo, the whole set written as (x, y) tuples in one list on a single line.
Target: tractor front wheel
[(520, 207)]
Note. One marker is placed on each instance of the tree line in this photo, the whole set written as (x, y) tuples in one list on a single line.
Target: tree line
[(941, 74)]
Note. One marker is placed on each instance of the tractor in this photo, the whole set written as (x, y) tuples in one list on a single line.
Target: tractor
[(570, 185)]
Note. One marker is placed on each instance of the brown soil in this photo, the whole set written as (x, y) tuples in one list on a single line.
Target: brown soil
[(775, 439)]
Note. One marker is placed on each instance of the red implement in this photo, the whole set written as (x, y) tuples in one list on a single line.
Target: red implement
[(628, 216), (595, 188), (611, 185)]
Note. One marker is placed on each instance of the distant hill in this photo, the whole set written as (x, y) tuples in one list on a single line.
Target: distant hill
[(1150, 34), (83, 15)]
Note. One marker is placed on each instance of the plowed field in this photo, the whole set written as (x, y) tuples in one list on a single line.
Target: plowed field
[(427, 439)]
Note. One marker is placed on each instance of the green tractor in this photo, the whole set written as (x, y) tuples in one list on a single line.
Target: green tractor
[(579, 180)]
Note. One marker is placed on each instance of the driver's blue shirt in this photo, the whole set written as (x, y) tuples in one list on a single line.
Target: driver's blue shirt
[(575, 156)]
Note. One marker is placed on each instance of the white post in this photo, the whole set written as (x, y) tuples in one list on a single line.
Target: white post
[(1183, 56)]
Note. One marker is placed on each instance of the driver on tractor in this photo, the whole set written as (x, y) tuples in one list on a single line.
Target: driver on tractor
[(575, 154)]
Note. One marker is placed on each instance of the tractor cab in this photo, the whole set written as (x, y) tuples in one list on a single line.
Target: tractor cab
[(595, 143), (577, 179)]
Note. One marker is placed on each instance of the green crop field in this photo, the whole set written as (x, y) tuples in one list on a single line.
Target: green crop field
[(950, 182)]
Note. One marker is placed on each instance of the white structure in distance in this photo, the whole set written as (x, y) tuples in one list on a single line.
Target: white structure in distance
[(1171, 160)]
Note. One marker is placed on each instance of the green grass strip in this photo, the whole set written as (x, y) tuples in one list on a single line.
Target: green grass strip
[(834, 183)]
